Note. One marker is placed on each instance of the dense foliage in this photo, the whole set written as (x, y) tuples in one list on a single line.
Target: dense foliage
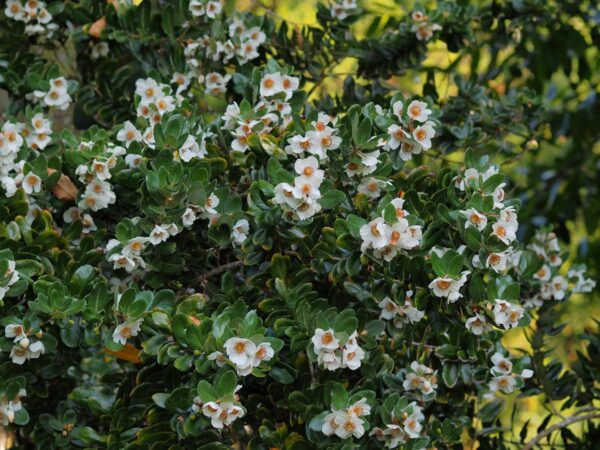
[(203, 248)]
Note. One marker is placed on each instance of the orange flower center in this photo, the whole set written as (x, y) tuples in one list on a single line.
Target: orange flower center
[(443, 284)]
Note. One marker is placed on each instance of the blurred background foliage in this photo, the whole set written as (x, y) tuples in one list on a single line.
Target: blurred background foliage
[(540, 58)]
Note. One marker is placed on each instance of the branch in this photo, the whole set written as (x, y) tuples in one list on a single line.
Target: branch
[(557, 426), (218, 270)]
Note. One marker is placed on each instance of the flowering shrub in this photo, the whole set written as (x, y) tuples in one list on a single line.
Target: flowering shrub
[(208, 257)]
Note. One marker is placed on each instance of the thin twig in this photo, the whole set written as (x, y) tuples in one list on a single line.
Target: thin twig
[(218, 270), (557, 426)]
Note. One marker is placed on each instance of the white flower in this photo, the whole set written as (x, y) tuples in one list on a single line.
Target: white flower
[(504, 231), (306, 210), (397, 109), (543, 274), (264, 352), (476, 324), (558, 287), (24, 351), (133, 160), (32, 183), (213, 8), (506, 314), (412, 425), (271, 84), (331, 422), (325, 340), (101, 169), (240, 231), (189, 217), (306, 189), (502, 365), (423, 134), (388, 309), (57, 95), (216, 83), (504, 383), (300, 144), (197, 8), (330, 360), (148, 89), (448, 287), (497, 262), (397, 136), (240, 351), (418, 111), (211, 203), (14, 10), (475, 219), (126, 330), (217, 357), (374, 234), (129, 133), (288, 85), (284, 195), (309, 168), (526, 373), (15, 331), (371, 187), (135, 246), (158, 234), (360, 408), (349, 425), (352, 357)]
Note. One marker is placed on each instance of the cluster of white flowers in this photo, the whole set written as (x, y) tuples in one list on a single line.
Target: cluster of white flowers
[(421, 27), (37, 19), (341, 9), (577, 276), (506, 314), (472, 175), (348, 422), (420, 378), (400, 314), (129, 256), (552, 285), (388, 239), (504, 379), (95, 174), (449, 287), (302, 198), (268, 114), (242, 43), (57, 96), (332, 354), (10, 277), (8, 408), (36, 134), (126, 330), (23, 349), (244, 354), (414, 132), (208, 8), (401, 429), (75, 213), (220, 413)]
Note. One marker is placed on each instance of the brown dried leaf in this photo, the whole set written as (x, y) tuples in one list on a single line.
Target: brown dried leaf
[(128, 353), (97, 27), (64, 189)]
